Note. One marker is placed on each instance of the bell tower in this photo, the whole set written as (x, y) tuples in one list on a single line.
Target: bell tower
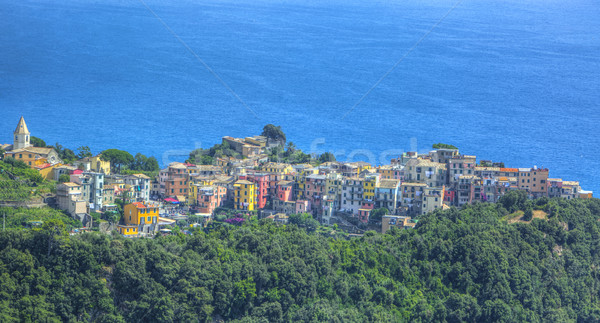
[(22, 135)]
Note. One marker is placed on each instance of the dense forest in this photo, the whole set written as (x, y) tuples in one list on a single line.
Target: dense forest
[(472, 264)]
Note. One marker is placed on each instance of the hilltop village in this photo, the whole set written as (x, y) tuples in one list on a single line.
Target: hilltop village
[(252, 182)]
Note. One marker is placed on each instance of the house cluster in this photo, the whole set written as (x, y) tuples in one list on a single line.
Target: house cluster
[(411, 185)]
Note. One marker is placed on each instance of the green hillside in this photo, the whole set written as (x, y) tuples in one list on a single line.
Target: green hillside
[(467, 265)]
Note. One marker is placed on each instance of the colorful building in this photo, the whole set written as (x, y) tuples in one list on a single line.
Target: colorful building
[(139, 218), (262, 184), (210, 198), (370, 182), (245, 195), (176, 181)]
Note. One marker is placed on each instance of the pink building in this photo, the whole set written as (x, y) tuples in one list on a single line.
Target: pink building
[(211, 197), (302, 206), (284, 191), (365, 212)]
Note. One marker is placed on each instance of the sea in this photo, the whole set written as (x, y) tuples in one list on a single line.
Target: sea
[(516, 81)]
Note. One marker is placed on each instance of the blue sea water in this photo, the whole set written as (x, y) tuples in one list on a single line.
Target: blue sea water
[(507, 80)]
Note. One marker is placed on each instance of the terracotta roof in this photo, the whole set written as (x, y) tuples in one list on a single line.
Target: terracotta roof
[(70, 184), (513, 170), (177, 165), (43, 166), (388, 183), (139, 205), (35, 150), (429, 163), (414, 184)]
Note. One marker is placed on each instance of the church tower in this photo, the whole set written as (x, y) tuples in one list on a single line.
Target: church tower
[(21, 135)]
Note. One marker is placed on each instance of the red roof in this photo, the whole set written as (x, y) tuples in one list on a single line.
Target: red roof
[(139, 205), (77, 172), (42, 166)]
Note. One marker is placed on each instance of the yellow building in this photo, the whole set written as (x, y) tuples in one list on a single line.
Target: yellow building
[(245, 195), (277, 168), (369, 185), (46, 170), (139, 218), (98, 165)]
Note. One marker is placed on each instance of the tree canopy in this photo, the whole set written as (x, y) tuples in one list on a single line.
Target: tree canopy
[(117, 158), (443, 146), (37, 142), (457, 265), (83, 152), (274, 133)]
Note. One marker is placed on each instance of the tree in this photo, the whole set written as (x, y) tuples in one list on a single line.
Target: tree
[(117, 158), (443, 146), (139, 162), (64, 178), (67, 155), (514, 200), (83, 152), (274, 133), (291, 148), (304, 220), (16, 163), (55, 230), (2, 152), (378, 213), (326, 157), (151, 164), (37, 142), (528, 214)]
